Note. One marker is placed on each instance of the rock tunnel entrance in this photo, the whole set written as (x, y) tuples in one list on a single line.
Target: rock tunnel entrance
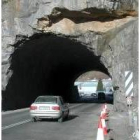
[(47, 64)]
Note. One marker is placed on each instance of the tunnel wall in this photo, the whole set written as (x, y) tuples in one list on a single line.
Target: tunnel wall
[(114, 39)]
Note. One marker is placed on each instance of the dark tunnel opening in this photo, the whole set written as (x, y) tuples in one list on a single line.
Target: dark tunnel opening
[(47, 64)]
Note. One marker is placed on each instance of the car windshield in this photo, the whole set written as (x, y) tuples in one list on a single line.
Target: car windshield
[(46, 100)]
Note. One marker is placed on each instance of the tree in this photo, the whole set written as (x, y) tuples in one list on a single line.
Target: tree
[(100, 85)]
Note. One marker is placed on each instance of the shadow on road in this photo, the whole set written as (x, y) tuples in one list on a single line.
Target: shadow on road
[(71, 117)]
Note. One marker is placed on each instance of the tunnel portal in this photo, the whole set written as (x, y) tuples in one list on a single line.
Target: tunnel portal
[(47, 64)]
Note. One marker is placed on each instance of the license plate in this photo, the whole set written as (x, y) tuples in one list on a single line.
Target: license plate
[(44, 108)]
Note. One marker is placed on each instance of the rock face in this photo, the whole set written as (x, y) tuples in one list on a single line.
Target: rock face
[(109, 28)]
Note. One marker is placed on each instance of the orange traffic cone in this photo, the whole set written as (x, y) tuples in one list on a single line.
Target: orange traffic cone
[(105, 108), (100, 133), (103, 115), (104, 126)]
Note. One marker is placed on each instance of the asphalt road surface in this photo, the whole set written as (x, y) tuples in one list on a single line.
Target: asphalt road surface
[(82, 124)]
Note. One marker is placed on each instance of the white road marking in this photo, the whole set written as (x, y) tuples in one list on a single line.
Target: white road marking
[(15, 111), (16, 124)]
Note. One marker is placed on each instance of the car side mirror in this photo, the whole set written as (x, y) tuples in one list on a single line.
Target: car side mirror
[(115, 87)]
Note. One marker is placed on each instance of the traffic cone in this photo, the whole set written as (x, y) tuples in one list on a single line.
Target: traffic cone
[(103, 115), (100, 133), (104, 126), (105, 108)]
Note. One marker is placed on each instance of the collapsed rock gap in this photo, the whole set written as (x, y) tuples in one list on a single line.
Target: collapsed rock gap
[(85, 15), (47, 64)]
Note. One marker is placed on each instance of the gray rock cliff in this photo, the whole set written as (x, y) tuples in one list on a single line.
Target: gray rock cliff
[(109, 28)]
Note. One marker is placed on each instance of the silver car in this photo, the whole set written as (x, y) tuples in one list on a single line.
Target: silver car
[(52, 107)]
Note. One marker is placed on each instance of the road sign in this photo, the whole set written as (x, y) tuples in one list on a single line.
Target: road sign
[(129, 83), (129, 100)]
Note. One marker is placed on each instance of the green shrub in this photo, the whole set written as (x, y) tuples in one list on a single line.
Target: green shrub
[(100, 85)]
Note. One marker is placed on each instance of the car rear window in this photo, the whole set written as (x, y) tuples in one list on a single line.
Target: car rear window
[(46, 100)]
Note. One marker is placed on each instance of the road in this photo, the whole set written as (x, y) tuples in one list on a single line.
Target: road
[(81, 125)]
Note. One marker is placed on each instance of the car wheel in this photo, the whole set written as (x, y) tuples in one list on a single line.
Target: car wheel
[(34, 119), (67, 115), (61, 118)]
